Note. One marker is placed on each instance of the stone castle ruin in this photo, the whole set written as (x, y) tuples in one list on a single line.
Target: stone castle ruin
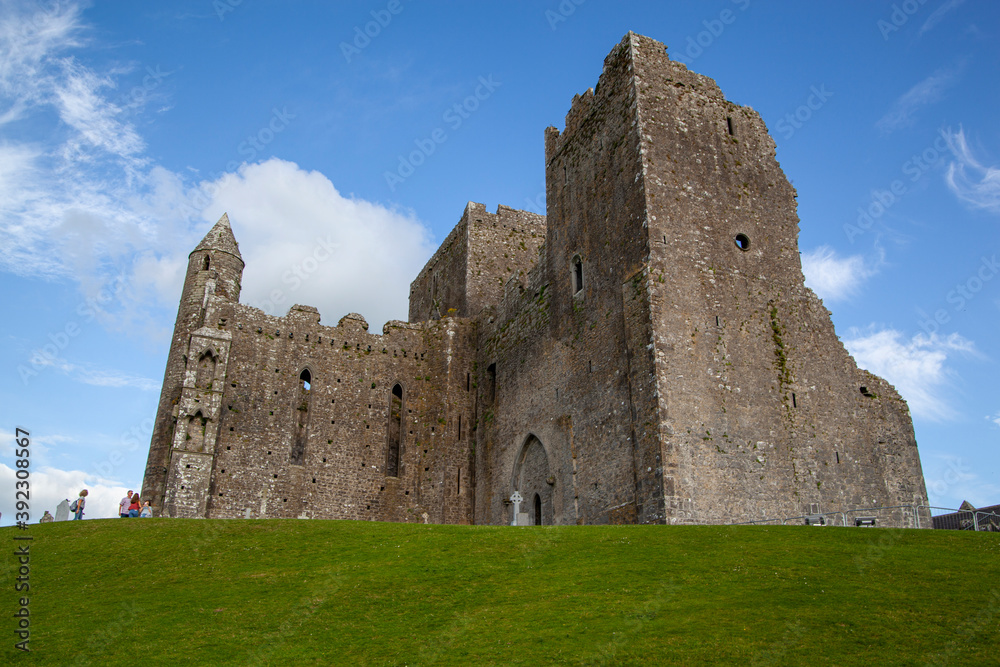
[(646, 352)]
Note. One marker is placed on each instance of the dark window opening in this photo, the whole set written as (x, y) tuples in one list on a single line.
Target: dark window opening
[(491, 383), (794, 404), (468, 381), (302, 405), (743, 242), (838, 456), (729, 125), (716, 320), (577, 274), (460, 427), (395, 432), (208, 262), (538, 510)]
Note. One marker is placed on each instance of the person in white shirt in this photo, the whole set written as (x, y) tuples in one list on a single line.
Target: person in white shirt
[(123, 505)]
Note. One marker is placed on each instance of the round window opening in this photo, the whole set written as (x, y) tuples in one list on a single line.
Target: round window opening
[(743, 242)]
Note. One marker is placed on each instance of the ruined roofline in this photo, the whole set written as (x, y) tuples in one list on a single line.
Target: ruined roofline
[(582, 103), (299, 314), (462, 224)]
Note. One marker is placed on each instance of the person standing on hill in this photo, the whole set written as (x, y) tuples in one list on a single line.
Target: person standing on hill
[(147, 511), (123, 505), (134, 507), (77, 506)]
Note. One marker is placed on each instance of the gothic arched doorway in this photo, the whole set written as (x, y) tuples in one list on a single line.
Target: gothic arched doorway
[(531, 479)]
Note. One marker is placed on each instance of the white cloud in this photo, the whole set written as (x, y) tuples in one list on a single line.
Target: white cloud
[(970, 180), (96, 377), (49, 486), (834, 278), (916, 367), (995, 418), (301, 238), (938, 15), (926, 92), (81, 201)]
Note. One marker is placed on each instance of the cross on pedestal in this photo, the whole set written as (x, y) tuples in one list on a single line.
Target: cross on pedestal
[(516, 499)]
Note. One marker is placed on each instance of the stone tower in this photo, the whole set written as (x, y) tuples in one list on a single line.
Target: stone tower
[(179, 462), (664, 362)]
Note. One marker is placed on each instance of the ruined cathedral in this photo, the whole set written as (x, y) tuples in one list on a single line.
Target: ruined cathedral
[(646, 352)]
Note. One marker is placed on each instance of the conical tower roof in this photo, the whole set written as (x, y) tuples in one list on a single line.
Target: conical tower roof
[(220, 238)]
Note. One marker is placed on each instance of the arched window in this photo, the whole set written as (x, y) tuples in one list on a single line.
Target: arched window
[(395, 431), (208, 262), (205, 373), (302, 405), (194, 440), (577, 274)]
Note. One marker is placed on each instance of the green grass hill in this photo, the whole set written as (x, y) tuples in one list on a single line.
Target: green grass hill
[(141, 593)]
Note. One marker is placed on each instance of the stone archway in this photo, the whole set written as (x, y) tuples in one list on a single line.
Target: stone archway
[(531, 479)]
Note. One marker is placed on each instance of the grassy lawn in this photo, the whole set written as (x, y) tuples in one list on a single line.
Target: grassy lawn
[(175, 592)]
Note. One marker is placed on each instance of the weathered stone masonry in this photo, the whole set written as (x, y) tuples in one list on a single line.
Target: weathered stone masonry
[(646, 352)]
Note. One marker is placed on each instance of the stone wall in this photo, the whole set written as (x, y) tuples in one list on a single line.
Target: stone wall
[(469, 270), (647, 352)]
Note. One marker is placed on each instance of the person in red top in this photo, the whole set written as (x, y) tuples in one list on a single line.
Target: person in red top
[(134, 507)]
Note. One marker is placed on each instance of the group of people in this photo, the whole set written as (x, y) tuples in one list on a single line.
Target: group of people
[(131, 507)]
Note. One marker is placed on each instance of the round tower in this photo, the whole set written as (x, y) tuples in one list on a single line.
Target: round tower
[(215, 267)]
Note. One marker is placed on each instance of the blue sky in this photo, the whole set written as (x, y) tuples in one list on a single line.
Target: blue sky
[(127, 129)]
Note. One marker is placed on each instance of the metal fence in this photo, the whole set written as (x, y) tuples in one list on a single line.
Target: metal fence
[(907, 516)]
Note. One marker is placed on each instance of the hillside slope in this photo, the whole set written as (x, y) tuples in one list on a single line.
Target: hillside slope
[(158, 592)]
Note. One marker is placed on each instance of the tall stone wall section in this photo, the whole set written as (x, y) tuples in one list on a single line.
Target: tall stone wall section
[(762, 411), (566, 373), (342, 471), (469, 270)]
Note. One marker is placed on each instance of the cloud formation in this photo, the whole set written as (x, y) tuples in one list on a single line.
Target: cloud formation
[(304, 242), (834, 278), (916, 367), (80, 200), (938, 15), (49, 486), (968, 179), (926, 92)]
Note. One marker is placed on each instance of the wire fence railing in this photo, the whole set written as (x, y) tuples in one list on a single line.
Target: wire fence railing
[(906, 516)]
